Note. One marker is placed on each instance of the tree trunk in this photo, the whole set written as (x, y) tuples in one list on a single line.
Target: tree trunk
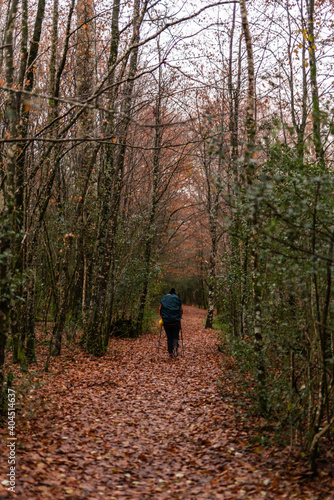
[(110, 209), (30, 316), (250, 160), (7, 211), (150, 228), (321, 315), (27, 74), (17, 313), (213, 214), (319, 150), (236, 291)]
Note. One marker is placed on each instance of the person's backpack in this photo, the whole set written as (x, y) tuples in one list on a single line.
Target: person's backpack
[(170, 309)]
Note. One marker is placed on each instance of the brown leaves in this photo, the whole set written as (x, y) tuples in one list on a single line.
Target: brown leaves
[(136, 426)]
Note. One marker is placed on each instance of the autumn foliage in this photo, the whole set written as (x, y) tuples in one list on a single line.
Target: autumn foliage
[(146, 145), (138, 425)]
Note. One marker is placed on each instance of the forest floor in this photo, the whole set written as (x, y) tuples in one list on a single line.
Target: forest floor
[(132, 425)]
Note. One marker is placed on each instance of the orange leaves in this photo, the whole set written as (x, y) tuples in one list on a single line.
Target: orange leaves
[(131, 425), (68, 235)]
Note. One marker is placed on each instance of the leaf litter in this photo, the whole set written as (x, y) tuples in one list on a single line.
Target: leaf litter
[(135, 425)]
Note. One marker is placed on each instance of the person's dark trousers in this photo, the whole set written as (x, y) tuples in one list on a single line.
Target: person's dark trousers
[(172, 332)]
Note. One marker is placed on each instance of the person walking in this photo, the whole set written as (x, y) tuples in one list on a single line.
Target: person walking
[(171, 313)]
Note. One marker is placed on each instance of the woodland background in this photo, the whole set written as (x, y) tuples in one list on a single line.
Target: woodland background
[(148, 144)]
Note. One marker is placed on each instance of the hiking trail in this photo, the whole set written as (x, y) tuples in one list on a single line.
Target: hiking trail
[(132, 425)]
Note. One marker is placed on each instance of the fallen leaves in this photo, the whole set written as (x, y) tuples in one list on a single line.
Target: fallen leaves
[(137, 426)]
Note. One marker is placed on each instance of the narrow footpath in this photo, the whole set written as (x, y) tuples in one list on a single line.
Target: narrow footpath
[(135, 425)]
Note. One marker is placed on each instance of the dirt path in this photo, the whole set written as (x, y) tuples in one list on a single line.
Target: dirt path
[(132, 426)]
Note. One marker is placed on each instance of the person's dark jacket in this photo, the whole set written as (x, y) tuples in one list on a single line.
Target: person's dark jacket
[(170, 309)]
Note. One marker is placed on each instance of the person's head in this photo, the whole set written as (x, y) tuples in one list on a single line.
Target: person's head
[(172, 292)]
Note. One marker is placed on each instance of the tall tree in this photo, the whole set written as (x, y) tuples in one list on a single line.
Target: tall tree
[(250, 164), (8, 208), (111, 200)]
